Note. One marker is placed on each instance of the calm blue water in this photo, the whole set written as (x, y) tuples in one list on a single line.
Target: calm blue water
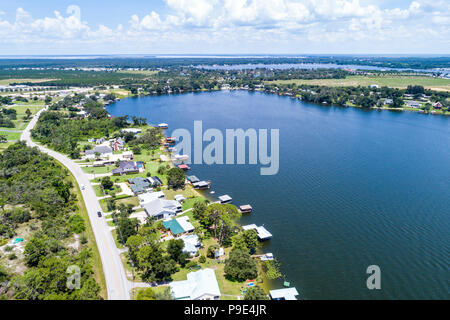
[(355, 188)]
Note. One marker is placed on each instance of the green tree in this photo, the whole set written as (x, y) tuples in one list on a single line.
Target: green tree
[(176, 178), (107, 183), (240, 266), (255, 293)]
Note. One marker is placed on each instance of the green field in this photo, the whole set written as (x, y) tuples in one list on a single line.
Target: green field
[(20, 123), (11, 136), (381, 80)]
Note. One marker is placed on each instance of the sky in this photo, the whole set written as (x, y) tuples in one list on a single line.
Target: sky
[(71, 27)]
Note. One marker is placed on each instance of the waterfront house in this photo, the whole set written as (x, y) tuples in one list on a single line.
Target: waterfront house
[(225, 199), (191, 243), (284, 294), (413, 104), (162, 208), (139, 185), (150, 196), (437, 105), (200, 285), (178, 226)]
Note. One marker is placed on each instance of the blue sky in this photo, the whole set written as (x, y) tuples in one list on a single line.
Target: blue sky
[(224, 26)]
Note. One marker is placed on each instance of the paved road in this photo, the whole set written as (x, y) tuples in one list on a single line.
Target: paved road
[(118, 286)]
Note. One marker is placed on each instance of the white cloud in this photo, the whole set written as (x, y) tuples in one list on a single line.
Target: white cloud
[(236, 25)]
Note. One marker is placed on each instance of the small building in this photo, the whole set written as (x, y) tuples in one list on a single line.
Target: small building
[(128, 155), (200, 285), (219, 253), (284, 294), (179, 198), (225, 199)]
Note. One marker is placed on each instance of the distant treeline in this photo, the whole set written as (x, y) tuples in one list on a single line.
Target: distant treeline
[(154, 62)]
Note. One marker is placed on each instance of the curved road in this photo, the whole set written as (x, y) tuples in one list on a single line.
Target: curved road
[(117, 284)]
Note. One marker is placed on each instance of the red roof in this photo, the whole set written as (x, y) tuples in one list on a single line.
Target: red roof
[(183, 166)]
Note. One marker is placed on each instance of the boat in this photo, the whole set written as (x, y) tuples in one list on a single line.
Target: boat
[(163, 126)]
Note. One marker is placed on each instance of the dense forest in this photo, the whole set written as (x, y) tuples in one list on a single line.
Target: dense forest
[(37, 203)]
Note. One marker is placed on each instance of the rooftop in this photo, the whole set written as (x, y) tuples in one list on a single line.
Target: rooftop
[(198, 284), (284, 294)]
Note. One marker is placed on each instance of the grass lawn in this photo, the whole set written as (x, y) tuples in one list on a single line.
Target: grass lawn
[(382, 80), (189, 203), (20, 123), (129, 200), (11, 136), (4, 146), (118, 244), (98, 170)]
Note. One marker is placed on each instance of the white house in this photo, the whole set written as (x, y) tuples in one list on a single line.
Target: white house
[(200, 285), (162, 208), (149, 197)]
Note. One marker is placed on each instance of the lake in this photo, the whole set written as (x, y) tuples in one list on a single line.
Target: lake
[(355, 188)]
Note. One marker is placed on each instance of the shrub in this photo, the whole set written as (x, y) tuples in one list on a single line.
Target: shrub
[(202, 259)]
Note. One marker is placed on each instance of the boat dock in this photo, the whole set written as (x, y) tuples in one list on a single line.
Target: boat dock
[(225, 199), (262, 232), (245, 208), (284, 294)]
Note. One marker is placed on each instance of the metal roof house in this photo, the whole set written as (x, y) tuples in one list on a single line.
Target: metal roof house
[(162, 208), (179, 226), (191, 243), (200, 285)]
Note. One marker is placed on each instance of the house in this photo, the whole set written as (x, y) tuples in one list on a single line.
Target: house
[(178, 226), (437, 105), (157, 181), (139, 185), (284, 294), (104, 152), (225, 199), (191, 243), (219, 253), (127, 167), (162, 208), (388, 101), (127, 155), (118, 144), (413, 104), (100, 141), (200, 285), (149, 197)]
